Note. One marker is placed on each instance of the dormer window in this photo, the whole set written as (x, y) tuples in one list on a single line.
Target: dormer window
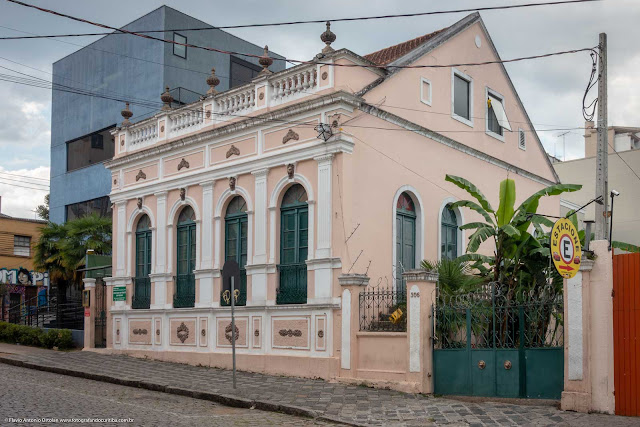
[(497, 120)]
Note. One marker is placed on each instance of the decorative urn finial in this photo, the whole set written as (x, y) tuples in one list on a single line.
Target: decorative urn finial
[(328, 37), (265, 61), (212, 81), (127, 114), (167, 99)]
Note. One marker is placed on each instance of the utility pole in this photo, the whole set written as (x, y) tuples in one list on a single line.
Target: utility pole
[(602, 159)]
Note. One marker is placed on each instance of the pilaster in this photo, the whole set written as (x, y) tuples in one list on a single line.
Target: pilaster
[(324, 205), (260, 216)]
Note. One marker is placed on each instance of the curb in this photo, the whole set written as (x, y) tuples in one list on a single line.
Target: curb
[(223, 399)]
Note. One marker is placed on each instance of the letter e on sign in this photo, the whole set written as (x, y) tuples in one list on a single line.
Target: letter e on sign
[(565, 248)]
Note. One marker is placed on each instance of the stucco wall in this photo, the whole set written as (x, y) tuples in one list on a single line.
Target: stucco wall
[(626, 223)]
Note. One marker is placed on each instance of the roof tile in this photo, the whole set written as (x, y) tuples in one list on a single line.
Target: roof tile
[(387, 55)]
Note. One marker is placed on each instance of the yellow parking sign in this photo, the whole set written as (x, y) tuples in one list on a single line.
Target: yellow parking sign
[(565, 248)]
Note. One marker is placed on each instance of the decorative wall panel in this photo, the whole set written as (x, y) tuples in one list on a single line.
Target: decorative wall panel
[(183, 331), (140, 331), (290, 332)]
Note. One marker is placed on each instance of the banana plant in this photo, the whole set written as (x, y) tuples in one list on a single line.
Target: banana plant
[(517, 253)]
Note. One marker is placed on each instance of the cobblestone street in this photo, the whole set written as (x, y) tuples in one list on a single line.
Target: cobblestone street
[(35, 394), (316, 398)]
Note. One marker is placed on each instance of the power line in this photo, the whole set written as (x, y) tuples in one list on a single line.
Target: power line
[(23, 176), (316, 21), (23, 186), (624, 161), (25, 182), (112, 53), (250, 55), (404, 166), (149, 104)]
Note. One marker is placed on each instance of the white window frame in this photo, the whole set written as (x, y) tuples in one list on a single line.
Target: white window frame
[(19, 250), (455, 72), (488, 91), (523, 132), (425, 99)]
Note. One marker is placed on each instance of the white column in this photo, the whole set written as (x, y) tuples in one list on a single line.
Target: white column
[(272, 234), (260, 216), (414, 329), (574, 326), (161, 233), (121, 207), (324, 205), (217, 235), (207, 225), (345, 351), (128, 258)]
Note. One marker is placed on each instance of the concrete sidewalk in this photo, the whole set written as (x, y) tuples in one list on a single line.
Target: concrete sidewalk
[(318, 399)]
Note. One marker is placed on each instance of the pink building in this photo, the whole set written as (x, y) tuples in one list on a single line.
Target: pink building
[(243, 175)]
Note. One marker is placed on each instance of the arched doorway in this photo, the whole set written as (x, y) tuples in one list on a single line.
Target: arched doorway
[(405, 238), (235, 246), (185, 294), (142, 283), (294, 238)]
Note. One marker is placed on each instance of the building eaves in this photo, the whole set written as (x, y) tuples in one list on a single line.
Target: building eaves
[(13, 218)]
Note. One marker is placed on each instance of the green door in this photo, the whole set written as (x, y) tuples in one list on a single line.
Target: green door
[(490, 343), (235, 247), (294, 237), (405, 238), (142, 284), (185, 294)]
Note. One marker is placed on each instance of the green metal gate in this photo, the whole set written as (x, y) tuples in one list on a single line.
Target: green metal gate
[(494, 342)]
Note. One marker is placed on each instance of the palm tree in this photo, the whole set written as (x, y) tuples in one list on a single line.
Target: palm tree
[(61, 248)]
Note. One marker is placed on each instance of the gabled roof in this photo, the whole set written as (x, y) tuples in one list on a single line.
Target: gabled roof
[(391, 53)]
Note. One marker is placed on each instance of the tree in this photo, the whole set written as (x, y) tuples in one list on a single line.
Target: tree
[(454, 276), (61, 248), (43, 210), (519, 258)]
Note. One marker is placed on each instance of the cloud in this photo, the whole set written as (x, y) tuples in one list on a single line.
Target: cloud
[(17, 200)]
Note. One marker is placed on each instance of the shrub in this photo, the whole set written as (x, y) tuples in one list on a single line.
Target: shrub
[(30, 336), (27, 335), (49, 338), (65, 340)]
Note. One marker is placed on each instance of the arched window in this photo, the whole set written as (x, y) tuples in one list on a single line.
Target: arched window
[(405, 237), (235, 247), (294, 237), (185, 294), (142, 284), (449, 234)]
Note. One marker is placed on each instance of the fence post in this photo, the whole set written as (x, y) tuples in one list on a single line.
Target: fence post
[(89, 321), (421, 286), (588, 344), (351, 285)]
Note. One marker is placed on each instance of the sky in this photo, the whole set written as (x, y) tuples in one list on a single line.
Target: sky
[(551, 89)]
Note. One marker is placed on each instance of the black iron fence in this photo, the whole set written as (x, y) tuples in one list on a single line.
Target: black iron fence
[(383, 310), (141, 292), (185, 294), (46, 312), (293, 284), (494, 317)]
